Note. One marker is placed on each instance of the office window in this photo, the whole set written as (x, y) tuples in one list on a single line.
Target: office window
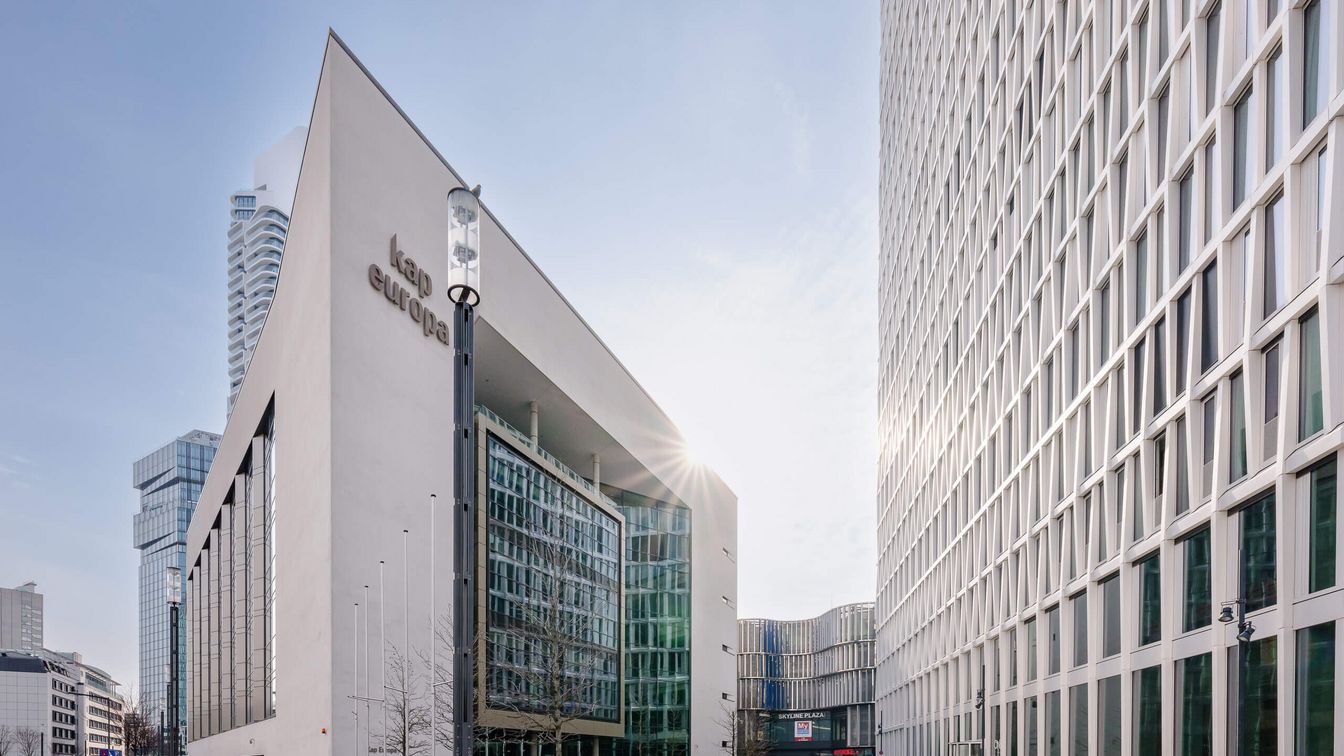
[(1316, 226), (1209, 417), (1104, 323), (1276, 254), (1150, 600), (1194, 690), (1136, 374), (1259, 557), (1078, 719), (1182, 365), (1211, 191), (1110, 616), (1140, 282), (1271, 357), (1310, 410), (1182, 468), (1052, 723), (1031, 649), (1032, 719), (1198, 606), (1276, 126), (1316, 690), (1257, 678), (1237, 428), (1079, 608), (1159, 465), (1163, 115), (1208, 342), (1012, 656), (1148, 710), (1313, 77), (1159, 365), (1012, 729), (1322, 526), (1241, 140), (1108, 716), (1052, 628), (1184, 224), (1212, 40)]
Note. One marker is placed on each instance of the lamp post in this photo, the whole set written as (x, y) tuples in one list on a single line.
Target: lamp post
[(1245, 629), (173, 577), (464, 258)]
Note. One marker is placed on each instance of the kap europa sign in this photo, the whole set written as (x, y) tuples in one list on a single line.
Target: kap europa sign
[(409, 296)]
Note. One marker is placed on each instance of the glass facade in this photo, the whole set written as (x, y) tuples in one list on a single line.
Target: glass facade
[(1256, 665), (1316, 690), (1259, 577), (1148, 710), (1194, 692), (1198, 604), (553, 588), (657, 625), (817, 670), (1322, 527), (169, 484)]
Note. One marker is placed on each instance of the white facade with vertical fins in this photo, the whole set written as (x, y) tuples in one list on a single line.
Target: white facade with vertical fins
[(1111, 376)]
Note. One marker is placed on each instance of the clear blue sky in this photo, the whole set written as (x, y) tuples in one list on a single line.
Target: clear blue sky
[(704, 172)]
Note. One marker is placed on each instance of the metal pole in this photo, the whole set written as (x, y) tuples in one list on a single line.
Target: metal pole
[(382, 646), (175, 737), (368, 722), (355, 698), (433, 643), (406, 640), (464, 529)]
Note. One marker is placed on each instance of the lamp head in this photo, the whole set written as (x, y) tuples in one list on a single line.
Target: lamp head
[(464, 245), (1226, 615), (1247, 630)]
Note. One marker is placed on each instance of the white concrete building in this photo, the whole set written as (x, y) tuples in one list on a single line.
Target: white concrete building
[(68, 706), (21, 618), (301, 580), (258, 222), (1112, 376)]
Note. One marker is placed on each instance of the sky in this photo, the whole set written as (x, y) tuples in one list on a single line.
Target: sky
[(698, 178)]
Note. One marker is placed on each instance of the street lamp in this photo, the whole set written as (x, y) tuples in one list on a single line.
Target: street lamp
[(1245, 628), (173, 590), (464, 273)]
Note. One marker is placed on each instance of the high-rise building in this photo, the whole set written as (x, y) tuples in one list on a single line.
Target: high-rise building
[(320, 590), (1112, 377), (169, 482), (258, 223), (805, 687), (21, 618)]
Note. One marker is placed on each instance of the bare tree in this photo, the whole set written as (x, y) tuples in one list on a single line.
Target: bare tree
[(742, 733), (29, 741), (139, 734), (6, 739), (552, 669), (408, 715)]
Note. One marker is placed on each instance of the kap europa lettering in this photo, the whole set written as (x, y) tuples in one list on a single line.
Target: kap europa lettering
[(409, 298)]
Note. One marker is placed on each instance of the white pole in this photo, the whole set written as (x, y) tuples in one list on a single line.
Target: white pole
[(356, 697), (382, 647), (368, 723), (433, 642), (406, 639)]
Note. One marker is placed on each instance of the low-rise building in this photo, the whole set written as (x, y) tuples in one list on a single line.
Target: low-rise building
[(805, 687)]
